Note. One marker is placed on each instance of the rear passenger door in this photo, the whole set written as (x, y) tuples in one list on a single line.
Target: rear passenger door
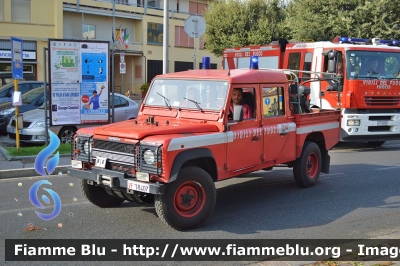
[(278, 125)]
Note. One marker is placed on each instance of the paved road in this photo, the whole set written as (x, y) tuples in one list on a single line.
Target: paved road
[(359, 199)]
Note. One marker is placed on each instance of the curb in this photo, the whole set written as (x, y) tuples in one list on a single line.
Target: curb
[(17, 158), (26, 172), (29, 172)]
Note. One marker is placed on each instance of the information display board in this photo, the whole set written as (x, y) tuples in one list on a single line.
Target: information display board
[(79, 82)]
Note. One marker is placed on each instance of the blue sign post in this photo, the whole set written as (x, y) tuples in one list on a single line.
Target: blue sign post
[(16, 58)]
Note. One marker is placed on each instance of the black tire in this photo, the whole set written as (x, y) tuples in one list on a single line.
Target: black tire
[(375, 143), (188, 201), (99, 196), (66, 133), (307, 167)]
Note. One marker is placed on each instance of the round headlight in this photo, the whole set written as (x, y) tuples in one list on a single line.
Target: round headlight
[(87, 147), (148, 157)]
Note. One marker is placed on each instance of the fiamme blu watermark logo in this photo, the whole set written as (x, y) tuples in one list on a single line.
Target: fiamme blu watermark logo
[(40, 169)]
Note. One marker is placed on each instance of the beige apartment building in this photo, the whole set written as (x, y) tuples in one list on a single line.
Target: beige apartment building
[(141, 21)]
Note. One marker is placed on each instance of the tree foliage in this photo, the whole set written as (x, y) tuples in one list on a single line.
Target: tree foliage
[(240, 23), (235, 23)]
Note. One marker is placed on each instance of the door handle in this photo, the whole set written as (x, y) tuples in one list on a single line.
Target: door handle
[(255, 138), (283, 133)]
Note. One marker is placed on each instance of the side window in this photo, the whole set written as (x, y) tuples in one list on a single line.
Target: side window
[(246, 98), (124, 103), (273, 101), (117, 101), (23, 88), (307, 65), (294, 61)]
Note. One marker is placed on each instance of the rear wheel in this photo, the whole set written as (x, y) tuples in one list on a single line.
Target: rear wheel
[(188, 201), (66, 133), (99, 196), (307, 167)]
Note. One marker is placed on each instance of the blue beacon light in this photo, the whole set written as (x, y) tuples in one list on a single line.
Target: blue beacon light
[(254, 62), (205, 62)]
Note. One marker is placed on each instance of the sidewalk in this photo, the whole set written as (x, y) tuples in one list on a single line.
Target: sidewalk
[(24, 166)]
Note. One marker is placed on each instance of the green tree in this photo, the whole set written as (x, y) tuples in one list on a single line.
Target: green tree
[(324, 20), (235, 23)]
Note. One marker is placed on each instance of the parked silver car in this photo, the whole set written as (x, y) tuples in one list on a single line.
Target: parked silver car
[(34, 122), (7, 90)]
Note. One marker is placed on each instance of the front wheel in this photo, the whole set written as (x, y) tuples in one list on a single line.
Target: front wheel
[(99, 196), (188, 201), (307, 167)]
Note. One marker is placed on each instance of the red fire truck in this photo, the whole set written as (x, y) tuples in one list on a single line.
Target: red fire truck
[(187, 136), (368, 95)]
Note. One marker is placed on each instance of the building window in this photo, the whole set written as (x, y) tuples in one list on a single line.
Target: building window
[(21, 11), (154, 33), (181, 38), (6, 68), (197, 8), (153, 3), (88, 32), (1, 10)]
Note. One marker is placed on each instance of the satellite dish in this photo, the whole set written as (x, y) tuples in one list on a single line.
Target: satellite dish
[(195, 26)]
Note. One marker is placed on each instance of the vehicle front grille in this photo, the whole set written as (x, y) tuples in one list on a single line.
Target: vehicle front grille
[(379, 129), (21, 137), (382, 100), (25, 124), (121, 156)]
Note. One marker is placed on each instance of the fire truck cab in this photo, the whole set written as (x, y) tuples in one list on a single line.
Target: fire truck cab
[(363, 80), (188, 136)]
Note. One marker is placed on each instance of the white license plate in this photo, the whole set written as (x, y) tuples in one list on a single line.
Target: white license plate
[(100, 162), (76, 164), (382, 123), (137, 186)]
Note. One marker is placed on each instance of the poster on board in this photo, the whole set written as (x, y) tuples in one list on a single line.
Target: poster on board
[(79, 82)]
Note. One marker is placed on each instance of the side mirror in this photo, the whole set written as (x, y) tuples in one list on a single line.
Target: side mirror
[(9, 94), (331, 62), (238, 113)]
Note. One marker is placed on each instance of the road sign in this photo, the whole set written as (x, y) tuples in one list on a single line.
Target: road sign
[(122, 58), (195, 26), (16, 58), (122, 68)]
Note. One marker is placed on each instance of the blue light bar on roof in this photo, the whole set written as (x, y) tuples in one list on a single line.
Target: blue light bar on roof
[(205, 62), (353, 40), (254, 62), (390, 42)]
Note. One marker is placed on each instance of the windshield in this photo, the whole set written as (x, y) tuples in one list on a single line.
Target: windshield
[(4, 90), (372, 65), (192, 94), (31, 95)]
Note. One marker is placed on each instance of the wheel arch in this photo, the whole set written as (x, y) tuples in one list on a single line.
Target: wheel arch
[(201, 157), (319, 139)]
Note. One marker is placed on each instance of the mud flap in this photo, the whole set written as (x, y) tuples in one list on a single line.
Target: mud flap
[(326, 161)]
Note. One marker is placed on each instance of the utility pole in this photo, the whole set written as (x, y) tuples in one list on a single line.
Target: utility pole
[(165, 37)]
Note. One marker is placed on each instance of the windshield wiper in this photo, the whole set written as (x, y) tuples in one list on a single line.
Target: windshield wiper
[(196, 103), (166, 100)]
